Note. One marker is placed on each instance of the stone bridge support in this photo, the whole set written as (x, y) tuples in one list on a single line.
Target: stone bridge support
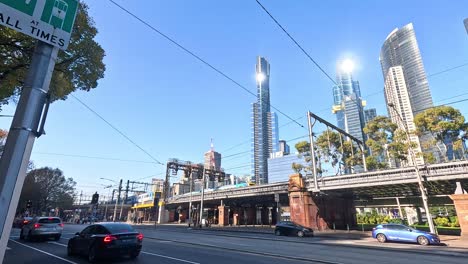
[(319, 212), (461, 206)]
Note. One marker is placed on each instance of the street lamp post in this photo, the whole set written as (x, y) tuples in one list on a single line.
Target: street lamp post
[(116, 201), (422, 189)]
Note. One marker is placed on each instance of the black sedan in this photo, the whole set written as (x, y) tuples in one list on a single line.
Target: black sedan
[(106, 240), (290, 228)]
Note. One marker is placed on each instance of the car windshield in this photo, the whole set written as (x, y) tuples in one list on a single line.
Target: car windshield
[(119, 228)]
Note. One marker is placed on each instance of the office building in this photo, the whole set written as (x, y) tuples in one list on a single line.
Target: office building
[(347, 102), (212, 161), (369, 114), (280, 166), (401, 49), (264, 125), (284, 147), (401, 113)]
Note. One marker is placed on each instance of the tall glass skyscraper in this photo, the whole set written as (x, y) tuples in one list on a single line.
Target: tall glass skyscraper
[(348, 104), (265, 134), (401, 49)]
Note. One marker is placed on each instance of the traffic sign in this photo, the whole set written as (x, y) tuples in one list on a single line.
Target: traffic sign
[(50, 21)]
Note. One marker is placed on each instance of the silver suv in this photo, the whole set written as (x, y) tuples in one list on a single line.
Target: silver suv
[(44, 227)]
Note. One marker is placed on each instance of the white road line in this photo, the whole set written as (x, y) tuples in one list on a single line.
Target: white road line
[(7, 248), (162, 256), (44, 252), (56, 243)]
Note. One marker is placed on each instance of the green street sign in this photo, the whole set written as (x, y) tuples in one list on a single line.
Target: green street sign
[(50, 21)]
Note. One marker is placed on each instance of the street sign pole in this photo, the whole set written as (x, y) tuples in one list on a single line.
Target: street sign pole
[(23, 131)]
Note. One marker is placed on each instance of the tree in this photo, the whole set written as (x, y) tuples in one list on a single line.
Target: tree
[(444, 123), (47, 188), (77, 68), (380, 132)]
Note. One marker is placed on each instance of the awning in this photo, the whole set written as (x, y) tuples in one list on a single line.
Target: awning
[(138, 206)]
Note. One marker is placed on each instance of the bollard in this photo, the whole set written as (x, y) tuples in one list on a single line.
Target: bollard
[(362, 225), (334, 227), (347, 227)]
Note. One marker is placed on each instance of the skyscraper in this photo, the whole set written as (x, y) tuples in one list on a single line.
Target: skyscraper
[(401, 49), (264, 125), (396, 93), (347, 102), (212, 160), (369, 114)]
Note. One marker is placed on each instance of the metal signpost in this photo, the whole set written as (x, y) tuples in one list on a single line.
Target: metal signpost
[(51, 22)]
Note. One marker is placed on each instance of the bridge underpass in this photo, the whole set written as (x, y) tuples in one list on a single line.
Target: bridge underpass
[(338, 196)]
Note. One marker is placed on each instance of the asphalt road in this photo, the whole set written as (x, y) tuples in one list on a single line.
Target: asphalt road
[(192, 246)]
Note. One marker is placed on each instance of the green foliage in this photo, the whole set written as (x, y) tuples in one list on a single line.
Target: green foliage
[(373, 218), (47, 188), (442, 221), (78, 68), (297, 167), (442, 122)]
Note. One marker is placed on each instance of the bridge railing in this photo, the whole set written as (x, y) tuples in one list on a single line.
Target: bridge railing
[(407, 174), (281, 187)]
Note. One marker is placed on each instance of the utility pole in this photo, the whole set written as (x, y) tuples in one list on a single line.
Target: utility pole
[(422, 189), (190, 201), (23, 132), (125, 198), (202, 197), (81, 195), (312, 152), (117, 201)]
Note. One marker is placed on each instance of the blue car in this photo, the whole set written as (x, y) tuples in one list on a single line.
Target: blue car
[(395, 232)]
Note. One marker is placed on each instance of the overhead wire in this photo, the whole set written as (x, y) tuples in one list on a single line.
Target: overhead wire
[(199, 58), (117, 130), (92, 157)]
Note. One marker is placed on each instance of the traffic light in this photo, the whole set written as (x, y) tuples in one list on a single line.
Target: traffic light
[(29, 204), (95, 198), (157, 196), (221, 175)]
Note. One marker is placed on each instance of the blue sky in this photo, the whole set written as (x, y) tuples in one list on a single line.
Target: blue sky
[(172, 105)]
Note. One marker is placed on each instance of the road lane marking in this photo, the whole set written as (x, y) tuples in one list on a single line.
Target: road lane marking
[(44, 252), (162, 256), (7, 248), (56, 243)]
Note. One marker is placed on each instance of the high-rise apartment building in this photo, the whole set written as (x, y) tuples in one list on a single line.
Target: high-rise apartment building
[(264, 125), (347, 102), (401, 49), (369, 114), (212, 160), (284, 147), (401, 112)]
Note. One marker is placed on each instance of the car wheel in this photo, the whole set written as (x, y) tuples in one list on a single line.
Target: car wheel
[(134, 254), (381, 238), (92, 254), (277, 233), (300, 233), (422, 240), (57, 237), (70, 251), (29, 237)]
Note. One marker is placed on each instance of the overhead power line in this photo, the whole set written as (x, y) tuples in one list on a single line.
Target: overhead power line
[(93, 157), (295, 42), (191, 53), (117, 130)]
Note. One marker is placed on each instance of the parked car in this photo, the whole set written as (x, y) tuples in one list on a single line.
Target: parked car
[(42, 227), (395, 232), (290, 228), (105, 240), (21, 221)]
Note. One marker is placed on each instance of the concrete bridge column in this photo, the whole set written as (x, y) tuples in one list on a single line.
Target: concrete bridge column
[(223, 215), (461, 206)]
